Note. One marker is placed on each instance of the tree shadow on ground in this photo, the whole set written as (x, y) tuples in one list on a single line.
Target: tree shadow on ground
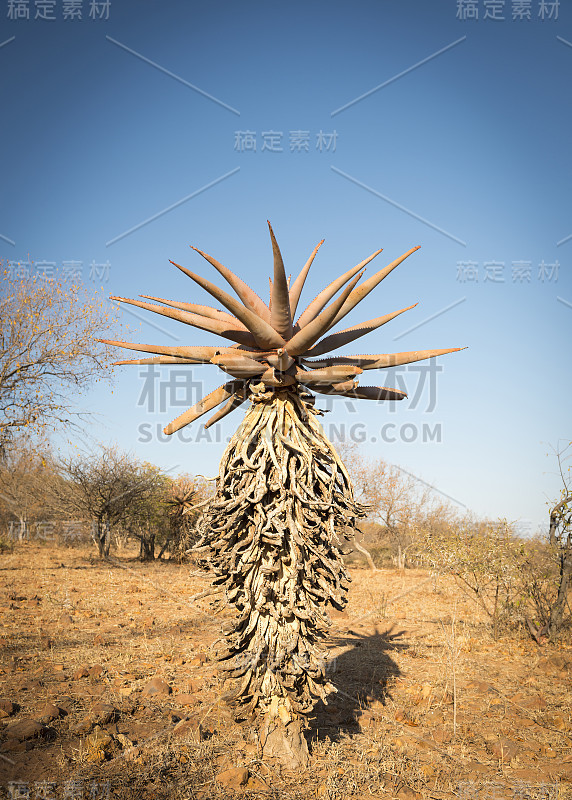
[(361, 670)]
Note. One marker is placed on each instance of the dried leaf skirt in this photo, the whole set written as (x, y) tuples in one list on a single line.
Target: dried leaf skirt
[(273, 535)]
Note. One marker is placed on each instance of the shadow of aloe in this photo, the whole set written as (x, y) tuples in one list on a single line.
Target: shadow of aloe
[(361, 673)]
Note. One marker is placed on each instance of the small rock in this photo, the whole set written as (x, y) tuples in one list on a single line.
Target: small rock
[(49, 713), (427, 770), (476, 768), (401, 715), (536, 703), (504, 749), (7, 708), (103, 713), (405, 793), (195, 685), (185, 699), (223, 760), (127, 706), (189, 728), (473, 706), (564, 772), (410, 742), (530, 775), (81, 727), (29, 685), (559, 661), (14, 746), (424, 694), (441, 735), (157, 687), (82, 672), (124, 741), (99, 744), (434, 717), (554, 664), (557, 721), (99, 738), (65, 704), (367, 719), (479, 686), (26, 729), (133, 754), (233, 778), (256, 785), (529, 753)]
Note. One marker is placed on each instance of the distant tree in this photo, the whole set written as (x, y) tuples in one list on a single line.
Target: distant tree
[(185, 497), (487, 560), (548, 569), (24, 476), (147, 518), (560, 537), (48, 352), (106, 488), (396, 500)]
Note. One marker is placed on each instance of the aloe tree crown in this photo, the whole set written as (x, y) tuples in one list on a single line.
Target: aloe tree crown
[(272, 346)]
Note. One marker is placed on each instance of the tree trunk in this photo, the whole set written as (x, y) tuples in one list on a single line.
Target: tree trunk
[(283, 736), (561, 537), (400, 557), (103, 538), (147, 547), (166, 544), (557, 610), (361, 549), (23, 532)]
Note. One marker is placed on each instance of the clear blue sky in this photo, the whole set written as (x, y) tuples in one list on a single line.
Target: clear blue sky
[(463, 148)]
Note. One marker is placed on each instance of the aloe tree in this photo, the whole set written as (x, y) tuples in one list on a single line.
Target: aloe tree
[(284, 502)]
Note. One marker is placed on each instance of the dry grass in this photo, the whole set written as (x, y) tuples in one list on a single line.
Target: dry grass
[(403, 651)]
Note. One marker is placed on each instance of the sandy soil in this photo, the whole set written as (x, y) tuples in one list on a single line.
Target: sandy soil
[(108, 689)]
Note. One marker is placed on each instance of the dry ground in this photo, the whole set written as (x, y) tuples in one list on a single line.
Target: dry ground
[(428, 705)]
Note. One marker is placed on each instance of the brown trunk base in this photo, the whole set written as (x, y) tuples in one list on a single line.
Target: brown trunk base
[(285, 742)]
